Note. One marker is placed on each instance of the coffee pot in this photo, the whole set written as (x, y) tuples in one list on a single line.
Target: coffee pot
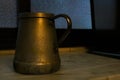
[(36, 45)]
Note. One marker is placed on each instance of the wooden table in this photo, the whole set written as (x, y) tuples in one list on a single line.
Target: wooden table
[(74, 66)]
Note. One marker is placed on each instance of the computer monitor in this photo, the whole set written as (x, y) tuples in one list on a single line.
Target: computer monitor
[(106, 30)]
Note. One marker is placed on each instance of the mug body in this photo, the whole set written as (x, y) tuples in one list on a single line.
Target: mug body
[(36, 46)]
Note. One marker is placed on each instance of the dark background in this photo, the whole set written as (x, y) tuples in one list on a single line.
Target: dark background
[(105, 39)]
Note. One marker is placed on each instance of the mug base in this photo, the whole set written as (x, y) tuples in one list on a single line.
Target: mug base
[(35, 68)]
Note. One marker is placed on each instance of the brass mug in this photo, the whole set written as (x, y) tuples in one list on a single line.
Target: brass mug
[(36, 45)]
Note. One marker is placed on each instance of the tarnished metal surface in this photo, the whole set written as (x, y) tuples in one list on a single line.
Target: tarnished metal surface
[(37, 46)]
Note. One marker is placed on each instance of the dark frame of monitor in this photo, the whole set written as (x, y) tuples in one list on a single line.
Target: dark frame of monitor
[(107, 40)]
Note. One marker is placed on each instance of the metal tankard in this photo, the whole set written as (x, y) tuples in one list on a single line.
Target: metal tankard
[(36, 45)]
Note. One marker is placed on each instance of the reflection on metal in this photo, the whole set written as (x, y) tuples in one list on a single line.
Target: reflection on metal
[(37, 47)]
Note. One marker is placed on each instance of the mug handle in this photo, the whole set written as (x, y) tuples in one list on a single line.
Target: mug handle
[(69, 26)]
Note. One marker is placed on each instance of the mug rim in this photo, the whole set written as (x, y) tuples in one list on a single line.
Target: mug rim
[(35, 15)]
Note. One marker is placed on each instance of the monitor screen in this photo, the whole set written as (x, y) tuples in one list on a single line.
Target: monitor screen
[(105, 14), (78, 10), (8, 14)]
